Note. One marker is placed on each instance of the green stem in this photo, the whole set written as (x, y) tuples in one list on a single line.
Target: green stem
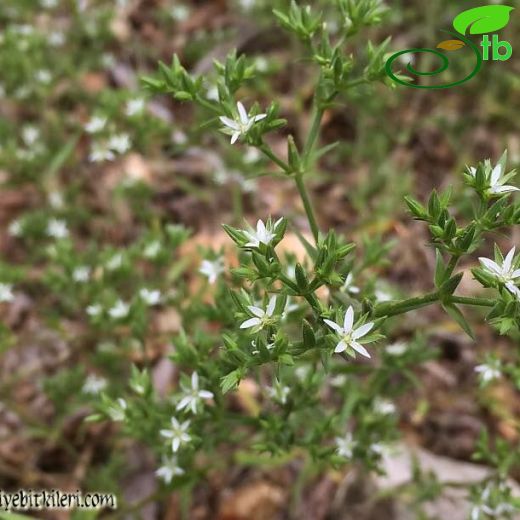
[(452, 264), (307, 205), (317, 116), (393, 309), (479, 302), (269, 153)]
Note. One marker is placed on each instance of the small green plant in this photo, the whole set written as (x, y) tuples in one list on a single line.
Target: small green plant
[(300, 328)]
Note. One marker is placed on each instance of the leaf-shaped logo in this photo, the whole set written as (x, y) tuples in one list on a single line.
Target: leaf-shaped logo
[(482, 20), (451, 45)]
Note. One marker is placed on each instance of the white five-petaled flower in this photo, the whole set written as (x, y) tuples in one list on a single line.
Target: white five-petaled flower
[(264, 234), (345, 446), (6, 292), (119, 310), (489, 371), (349, 335), (212, 269), (134, 106), (57, 228), (96, 124), (94, 310), (193, 395), (81, 273), (93, 384), (152, 249), (496, 180), (261, 317), (169, 469), (178, 433), (241, 125), (150, 297), (384, 406), (100, 152), (504, 273), (119, 143)]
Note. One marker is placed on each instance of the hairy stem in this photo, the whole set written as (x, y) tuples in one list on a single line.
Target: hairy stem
[(396, 308)]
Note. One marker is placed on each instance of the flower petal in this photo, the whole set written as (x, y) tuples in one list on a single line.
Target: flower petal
[(242, 113), (234, 137), (496, 174), (256, 311), (229, 123), (348, 322), (491, 266), (508, 260), (340, 347), (360, 348), (206, 394), (363, 330), (253, 322), (334, 326), (504, 189), (271, 306)]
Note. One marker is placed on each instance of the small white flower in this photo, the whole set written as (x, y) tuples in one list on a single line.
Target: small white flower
[(180, 13), (96, 124), (30, 134), (100, 152), (119, 310), (152, 249), (489, 371), (212, 269), (495, 179), (252, 155), (349, 335), (261, 318), (81, 273), (6, 292), (241, 125), (246, 5), (347, 285), (169, 469), (93, 384), (279, 392), (94, 310), (15, 228), (193, 396), (496, 182), (179, 138), (55, 199), (115, 262), (117, 411), (345, 446), (178, 434), (150, 297), (119, 143), (57, 228), (263, 234), (384, 406), (504, 273), (56, 39), (397, 349), (134, 106), (43, 76)]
